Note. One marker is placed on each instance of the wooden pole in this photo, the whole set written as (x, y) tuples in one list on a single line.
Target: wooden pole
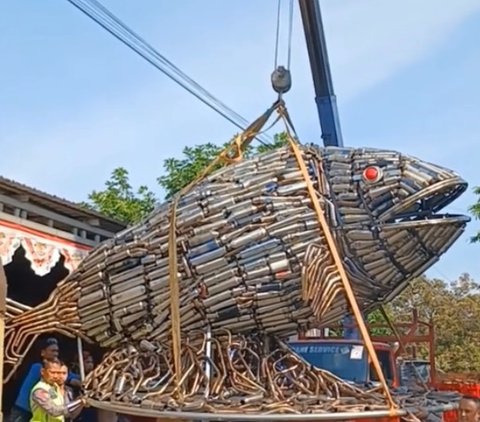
[(3, 299)]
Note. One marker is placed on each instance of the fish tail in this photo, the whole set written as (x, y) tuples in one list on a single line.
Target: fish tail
[(24, 324)]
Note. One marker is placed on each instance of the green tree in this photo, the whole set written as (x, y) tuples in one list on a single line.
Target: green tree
[(454, 310), (475, 210), (279, 140), (119, 200), (180, 172), (376, 317)]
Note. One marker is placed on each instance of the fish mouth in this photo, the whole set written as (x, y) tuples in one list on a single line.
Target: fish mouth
[(423, 207), (410, 238)]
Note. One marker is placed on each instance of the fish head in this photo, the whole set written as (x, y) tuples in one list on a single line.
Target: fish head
[(385, 208)]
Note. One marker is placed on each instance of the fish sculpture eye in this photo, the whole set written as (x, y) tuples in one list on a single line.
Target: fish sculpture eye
[(372, 174)]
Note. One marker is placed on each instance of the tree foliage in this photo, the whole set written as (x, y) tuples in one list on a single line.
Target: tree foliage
[(475, 210), (180, 172), (454, 309), (120, 201), (279, 140)]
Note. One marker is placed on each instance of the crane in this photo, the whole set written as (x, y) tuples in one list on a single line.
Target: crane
[(317, 51), (322, 78), (324, 94)]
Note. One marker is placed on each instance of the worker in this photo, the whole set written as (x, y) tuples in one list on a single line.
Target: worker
[(21, 408), (47, 400), (62, 383), (88, 362), (88, 365), (66, 390), (88, 414), (469, 409)]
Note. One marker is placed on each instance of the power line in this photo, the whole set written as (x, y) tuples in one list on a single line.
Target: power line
[(289, 35), (107, 20)]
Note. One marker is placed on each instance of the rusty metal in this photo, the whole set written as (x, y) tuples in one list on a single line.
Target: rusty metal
[(405, 414), (247, 376), (244, 376), (24, 324)]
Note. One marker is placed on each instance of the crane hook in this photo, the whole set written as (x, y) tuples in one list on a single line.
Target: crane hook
[(281, 80)]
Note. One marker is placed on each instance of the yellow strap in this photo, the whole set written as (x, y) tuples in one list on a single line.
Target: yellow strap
[(337, 260), (174, 296), (237, 146)]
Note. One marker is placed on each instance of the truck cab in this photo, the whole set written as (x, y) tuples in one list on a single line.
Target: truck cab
[(415, 367), (348, 359)]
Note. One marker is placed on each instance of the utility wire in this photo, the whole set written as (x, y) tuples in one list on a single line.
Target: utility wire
[(277, 33), (107, 20), (289, 33)]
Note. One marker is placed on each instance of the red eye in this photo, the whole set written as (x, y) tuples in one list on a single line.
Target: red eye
[(372, 174)]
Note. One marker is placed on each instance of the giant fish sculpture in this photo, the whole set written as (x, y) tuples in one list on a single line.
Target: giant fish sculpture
[(251, 254)]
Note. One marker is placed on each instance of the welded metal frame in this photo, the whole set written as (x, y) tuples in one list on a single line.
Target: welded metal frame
[(200, 416)]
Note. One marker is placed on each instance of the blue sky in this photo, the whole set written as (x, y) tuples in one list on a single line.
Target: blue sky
[(75, 103)]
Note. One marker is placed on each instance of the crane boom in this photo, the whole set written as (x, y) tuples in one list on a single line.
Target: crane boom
[(322, 78)]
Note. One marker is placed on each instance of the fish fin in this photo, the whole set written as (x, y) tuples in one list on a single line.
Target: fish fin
[(24, 324), (321, 282)]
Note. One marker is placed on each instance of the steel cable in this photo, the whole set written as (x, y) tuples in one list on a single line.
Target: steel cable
[(106, 19)]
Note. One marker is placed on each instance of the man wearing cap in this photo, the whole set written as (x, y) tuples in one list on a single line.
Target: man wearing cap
[(21, 409)]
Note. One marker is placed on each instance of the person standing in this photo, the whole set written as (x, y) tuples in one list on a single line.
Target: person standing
[(88, 414), (66, 390), (469, 409), (62, 383), (47, 401), (21, 408)]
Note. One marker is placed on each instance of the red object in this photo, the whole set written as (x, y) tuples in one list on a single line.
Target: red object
[(412, 334), (371, 174), (466, 388), (450, 416)]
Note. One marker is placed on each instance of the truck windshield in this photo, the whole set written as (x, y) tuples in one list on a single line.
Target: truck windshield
[(410, 370), (346, 361), (385, 364)]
